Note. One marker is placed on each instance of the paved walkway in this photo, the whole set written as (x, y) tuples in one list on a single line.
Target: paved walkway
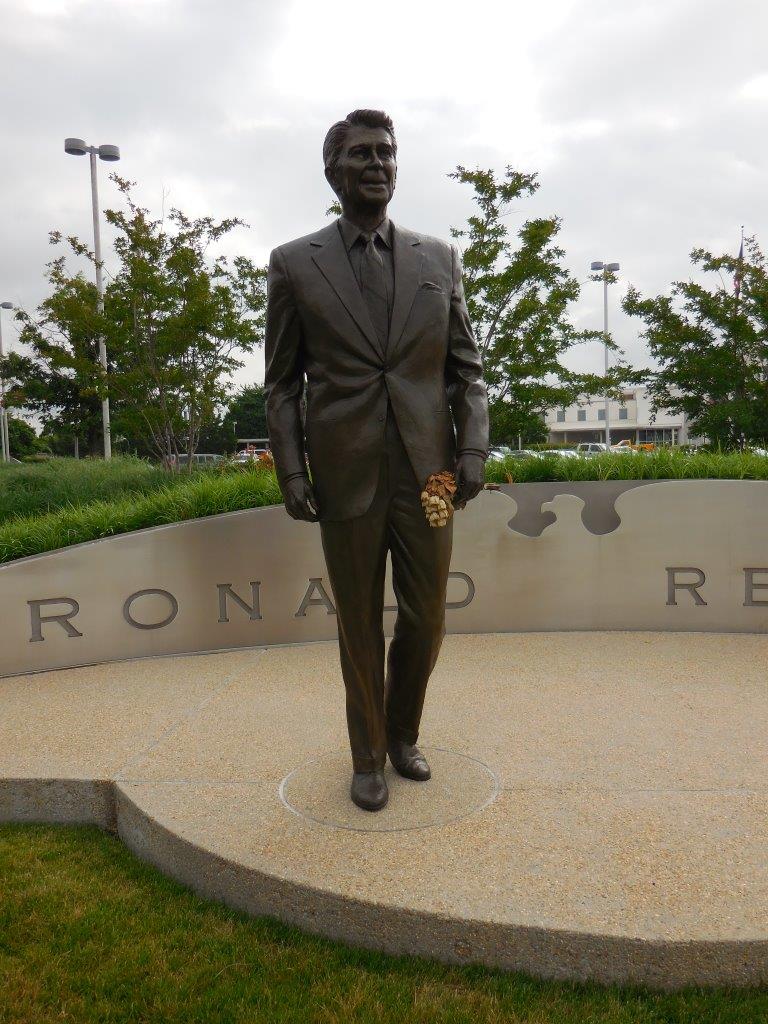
[(597, 807)]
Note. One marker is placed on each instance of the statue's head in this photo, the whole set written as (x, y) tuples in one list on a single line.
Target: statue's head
[(360, 155)]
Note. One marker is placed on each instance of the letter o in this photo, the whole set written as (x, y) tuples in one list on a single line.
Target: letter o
[(151, 625)]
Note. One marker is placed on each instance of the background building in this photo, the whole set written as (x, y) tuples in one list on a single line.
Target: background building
[(629, 419)]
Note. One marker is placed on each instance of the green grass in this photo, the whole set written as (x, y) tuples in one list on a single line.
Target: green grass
[(662, 464), (205, 494), (90, 934), (42, 487)]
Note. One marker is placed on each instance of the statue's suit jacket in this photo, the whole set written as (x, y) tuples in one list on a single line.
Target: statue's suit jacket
[(317, 324)]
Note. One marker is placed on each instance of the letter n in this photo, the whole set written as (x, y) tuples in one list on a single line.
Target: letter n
[(254, 610)]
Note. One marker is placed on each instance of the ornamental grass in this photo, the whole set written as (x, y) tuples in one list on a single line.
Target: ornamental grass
[(183, 498)]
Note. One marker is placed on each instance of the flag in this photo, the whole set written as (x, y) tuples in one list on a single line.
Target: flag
[(738, 275)]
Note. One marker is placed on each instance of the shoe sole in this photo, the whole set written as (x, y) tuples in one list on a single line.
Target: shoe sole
[(413, 778), (371, 807)]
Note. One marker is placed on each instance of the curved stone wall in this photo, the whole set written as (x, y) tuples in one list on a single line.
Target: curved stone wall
[(634, 555)]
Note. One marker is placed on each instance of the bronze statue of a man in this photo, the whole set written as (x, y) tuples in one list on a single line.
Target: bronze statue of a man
[(374, 316)]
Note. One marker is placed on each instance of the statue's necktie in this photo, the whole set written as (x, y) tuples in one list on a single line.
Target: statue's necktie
[(373, 285)]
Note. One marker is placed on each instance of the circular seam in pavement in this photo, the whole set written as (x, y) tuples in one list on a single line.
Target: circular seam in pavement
[(460, 785)]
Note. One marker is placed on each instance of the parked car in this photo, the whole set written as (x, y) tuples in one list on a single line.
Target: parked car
[(592, 448), (566, 453), (247, 455), (200, 459), (628, 446), (524, 453), (502, 452)]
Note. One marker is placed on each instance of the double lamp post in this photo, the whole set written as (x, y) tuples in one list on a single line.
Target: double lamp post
[(76, 147), (5, 446), (607, 269)]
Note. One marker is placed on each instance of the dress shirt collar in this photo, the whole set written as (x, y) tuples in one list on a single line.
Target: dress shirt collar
[(351, 232)]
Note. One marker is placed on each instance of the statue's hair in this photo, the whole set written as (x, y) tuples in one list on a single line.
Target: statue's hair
[(337, 133)]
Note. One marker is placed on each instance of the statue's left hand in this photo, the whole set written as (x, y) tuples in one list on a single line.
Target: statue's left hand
[(470, 476)]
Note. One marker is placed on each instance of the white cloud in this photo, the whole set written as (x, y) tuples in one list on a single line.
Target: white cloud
[(646, 143), (755, 88)]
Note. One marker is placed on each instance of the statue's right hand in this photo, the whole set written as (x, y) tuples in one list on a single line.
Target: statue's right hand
[(299, 500)]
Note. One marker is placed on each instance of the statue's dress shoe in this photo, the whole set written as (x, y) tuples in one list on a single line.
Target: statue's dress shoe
[(408, 761), (369, 790)]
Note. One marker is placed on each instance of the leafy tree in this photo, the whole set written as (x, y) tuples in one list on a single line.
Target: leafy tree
[(175, 318), (244, 416), (23, 439), (711, 344), (247, 410), (60, 440), (518, 297), (60, 379), (217, 436)]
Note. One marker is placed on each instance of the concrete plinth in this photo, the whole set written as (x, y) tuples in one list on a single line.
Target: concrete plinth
[(597, 808)]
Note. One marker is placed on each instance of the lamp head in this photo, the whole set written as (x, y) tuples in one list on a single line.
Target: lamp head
[(597, 265), (109, 153), (613, 267), (75, 147), (6, 305)]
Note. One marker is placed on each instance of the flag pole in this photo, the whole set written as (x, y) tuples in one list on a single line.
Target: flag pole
[(739, 265)]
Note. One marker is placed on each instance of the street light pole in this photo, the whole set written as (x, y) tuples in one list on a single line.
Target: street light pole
[(107, 428), (5, 446), (76, 147), (607, 268), (605, 351)]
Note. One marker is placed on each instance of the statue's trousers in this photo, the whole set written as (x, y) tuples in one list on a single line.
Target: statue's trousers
[(380, 706)]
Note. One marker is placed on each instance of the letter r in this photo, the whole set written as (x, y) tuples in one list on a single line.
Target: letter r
[(61, 617), (692, 586)]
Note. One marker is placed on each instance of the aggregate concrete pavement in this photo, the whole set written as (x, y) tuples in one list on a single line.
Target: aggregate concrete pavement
[(597, 808)]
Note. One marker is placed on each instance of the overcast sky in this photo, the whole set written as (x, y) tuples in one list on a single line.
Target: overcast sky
[(646, 122)]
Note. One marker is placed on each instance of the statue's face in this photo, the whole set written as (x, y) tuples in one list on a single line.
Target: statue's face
[(366, 171)]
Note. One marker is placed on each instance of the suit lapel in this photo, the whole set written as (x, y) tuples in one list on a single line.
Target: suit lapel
[(330, 257), (408, 260)]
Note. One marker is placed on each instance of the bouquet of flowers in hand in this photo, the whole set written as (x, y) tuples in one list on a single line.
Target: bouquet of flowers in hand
[(436, 498)]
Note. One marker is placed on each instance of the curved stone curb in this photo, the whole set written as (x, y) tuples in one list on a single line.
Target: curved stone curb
[(59, 802), (545, 953)]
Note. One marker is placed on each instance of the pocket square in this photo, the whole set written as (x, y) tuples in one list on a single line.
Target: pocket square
[(431, 286)]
